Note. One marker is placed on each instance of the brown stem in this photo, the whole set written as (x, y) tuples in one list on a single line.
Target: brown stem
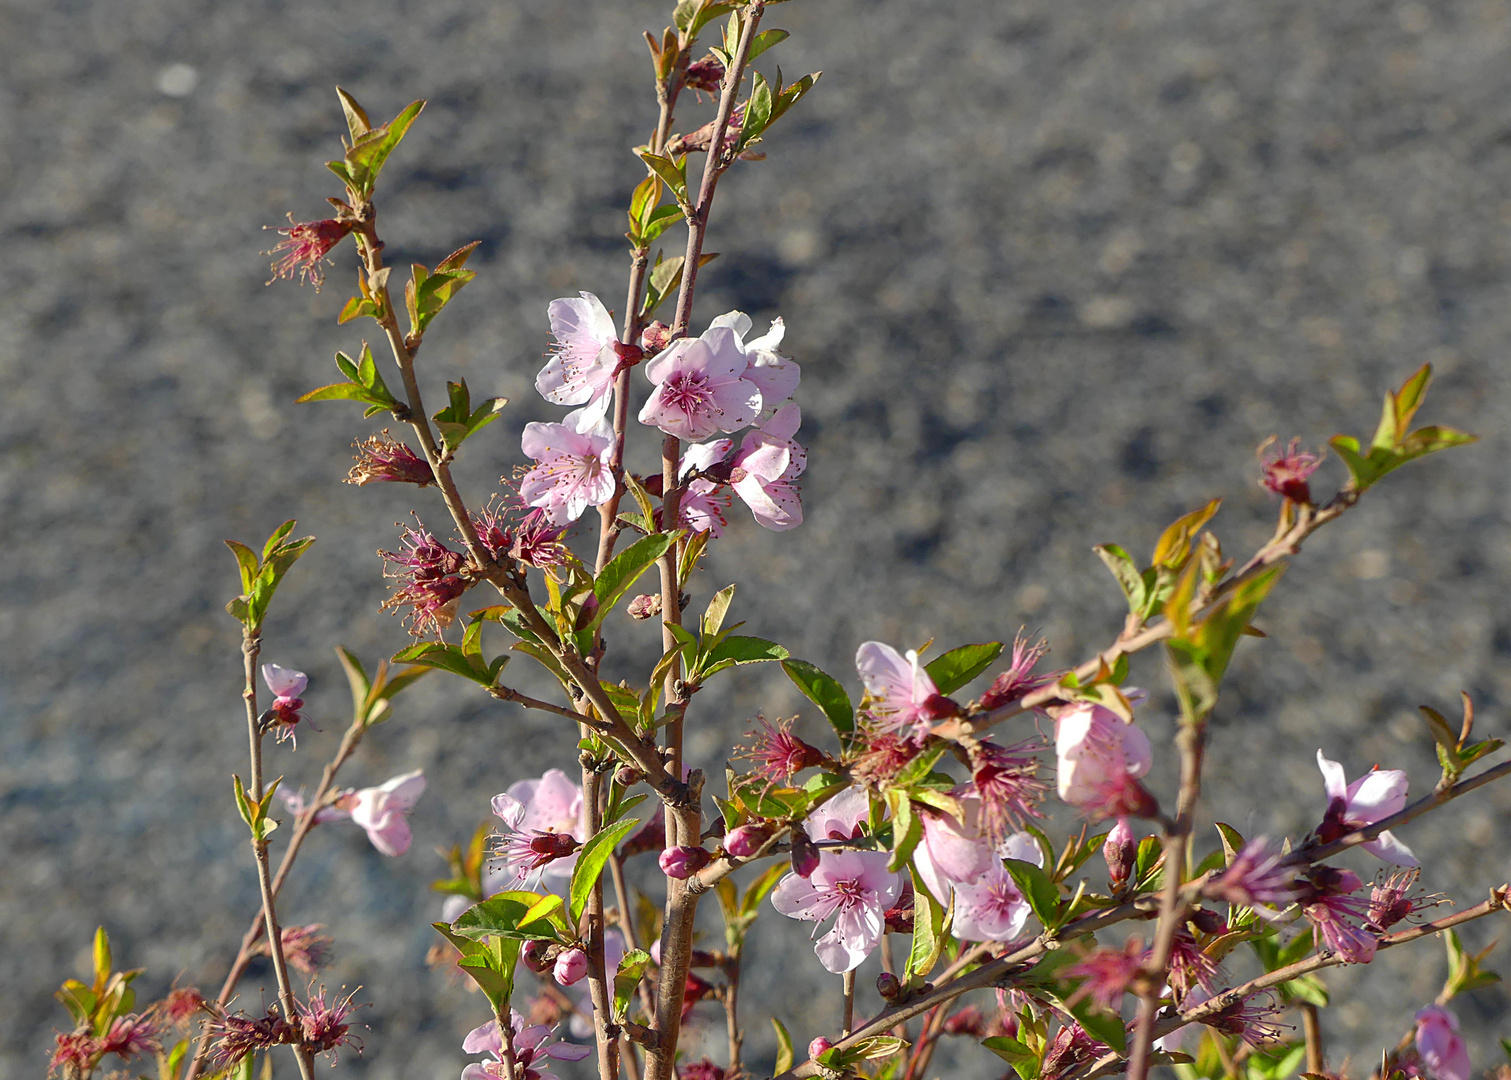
[(849, 993), (1191, 740), (504, 693), (731, 999), (684, 823), (598, 980), (302, 826), (1311, 1027), (251, 645)]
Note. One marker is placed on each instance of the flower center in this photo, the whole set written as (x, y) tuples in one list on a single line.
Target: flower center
[(687, 392)]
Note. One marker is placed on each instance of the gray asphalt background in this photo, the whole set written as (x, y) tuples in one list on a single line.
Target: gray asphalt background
[(1053, 271)]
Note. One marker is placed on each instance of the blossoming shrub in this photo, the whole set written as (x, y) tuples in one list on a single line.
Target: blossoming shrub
[(914, 838)]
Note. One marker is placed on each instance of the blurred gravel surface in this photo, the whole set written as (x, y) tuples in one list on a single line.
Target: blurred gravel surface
[(1053, 271)]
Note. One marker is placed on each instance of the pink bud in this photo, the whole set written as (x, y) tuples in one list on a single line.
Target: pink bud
[(571, 966), (889, 986), (745, 841), (656, 337), (645, 606), (818, 1046), (1121, 852), (804, 854), (683, 862)]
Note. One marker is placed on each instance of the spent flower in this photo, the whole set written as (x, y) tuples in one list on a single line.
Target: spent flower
[(304, 248), (383, 459)]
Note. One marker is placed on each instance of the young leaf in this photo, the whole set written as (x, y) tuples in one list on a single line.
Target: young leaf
[(826, 693), (958, 667), (765, 40), (625, 569), (591, 861), (718, 607), (1175, 542), (631, 969), (489, 963), (1040, 892), (737, 649), (1129, 579), (930, 931), (784, 1055)]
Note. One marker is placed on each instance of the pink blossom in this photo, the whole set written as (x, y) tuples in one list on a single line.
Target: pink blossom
[(575, 466), (991, 908), (704, 501), (286, 685), (533, 1052), (1373, 797), (774, 375), (1100, 758), (297, 804), (582, 369), (899, 692), (1440, 1045), (543, 827), (382, 811), (701, 387), (764, 471), (854, 886), (951, 851)]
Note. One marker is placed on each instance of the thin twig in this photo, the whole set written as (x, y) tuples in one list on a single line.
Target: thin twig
[(1311, 1027), (598, 980), (1191, 739), (251, 645)]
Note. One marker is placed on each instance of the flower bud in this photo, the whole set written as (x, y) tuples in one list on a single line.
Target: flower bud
[(804, 854), (818, 1046), (1121, 852), (536, 957), (683, 862), (1208, 922), (656, 337), (571, 966), (745, 841), (628, 776), (645, 606), (889, 986), (629, 355)]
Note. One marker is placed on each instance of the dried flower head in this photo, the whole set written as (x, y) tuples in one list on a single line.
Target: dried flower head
[(706, 74), (1286, 472), (75, 1054), (133, 1034), (430, 585), (779, 755), (1258, 877), (1391, 900), (305, 245), (1005, 778), (304, 947), (1107, 973), (1019, 679), (326, 1026), (383, 459)]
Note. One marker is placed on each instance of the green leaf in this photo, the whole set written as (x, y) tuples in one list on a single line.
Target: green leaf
[(790, 96), (1010, 1050), (958, 667), (1129, 578), (1199, 655), (504, 915), (757, 112), (447, 657), (102, 958), (591, 861), (489, 963), (907, 828), (825, 692), (929, 932), (785, 1057), (718, 607), (356, 117), (737, 649), (1040, 892), (672, 174), (631, 969), (1394, 444), (370, 151), (1232, 842), (625, 569), (1174, 545), (765, 40), (458, 420)]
